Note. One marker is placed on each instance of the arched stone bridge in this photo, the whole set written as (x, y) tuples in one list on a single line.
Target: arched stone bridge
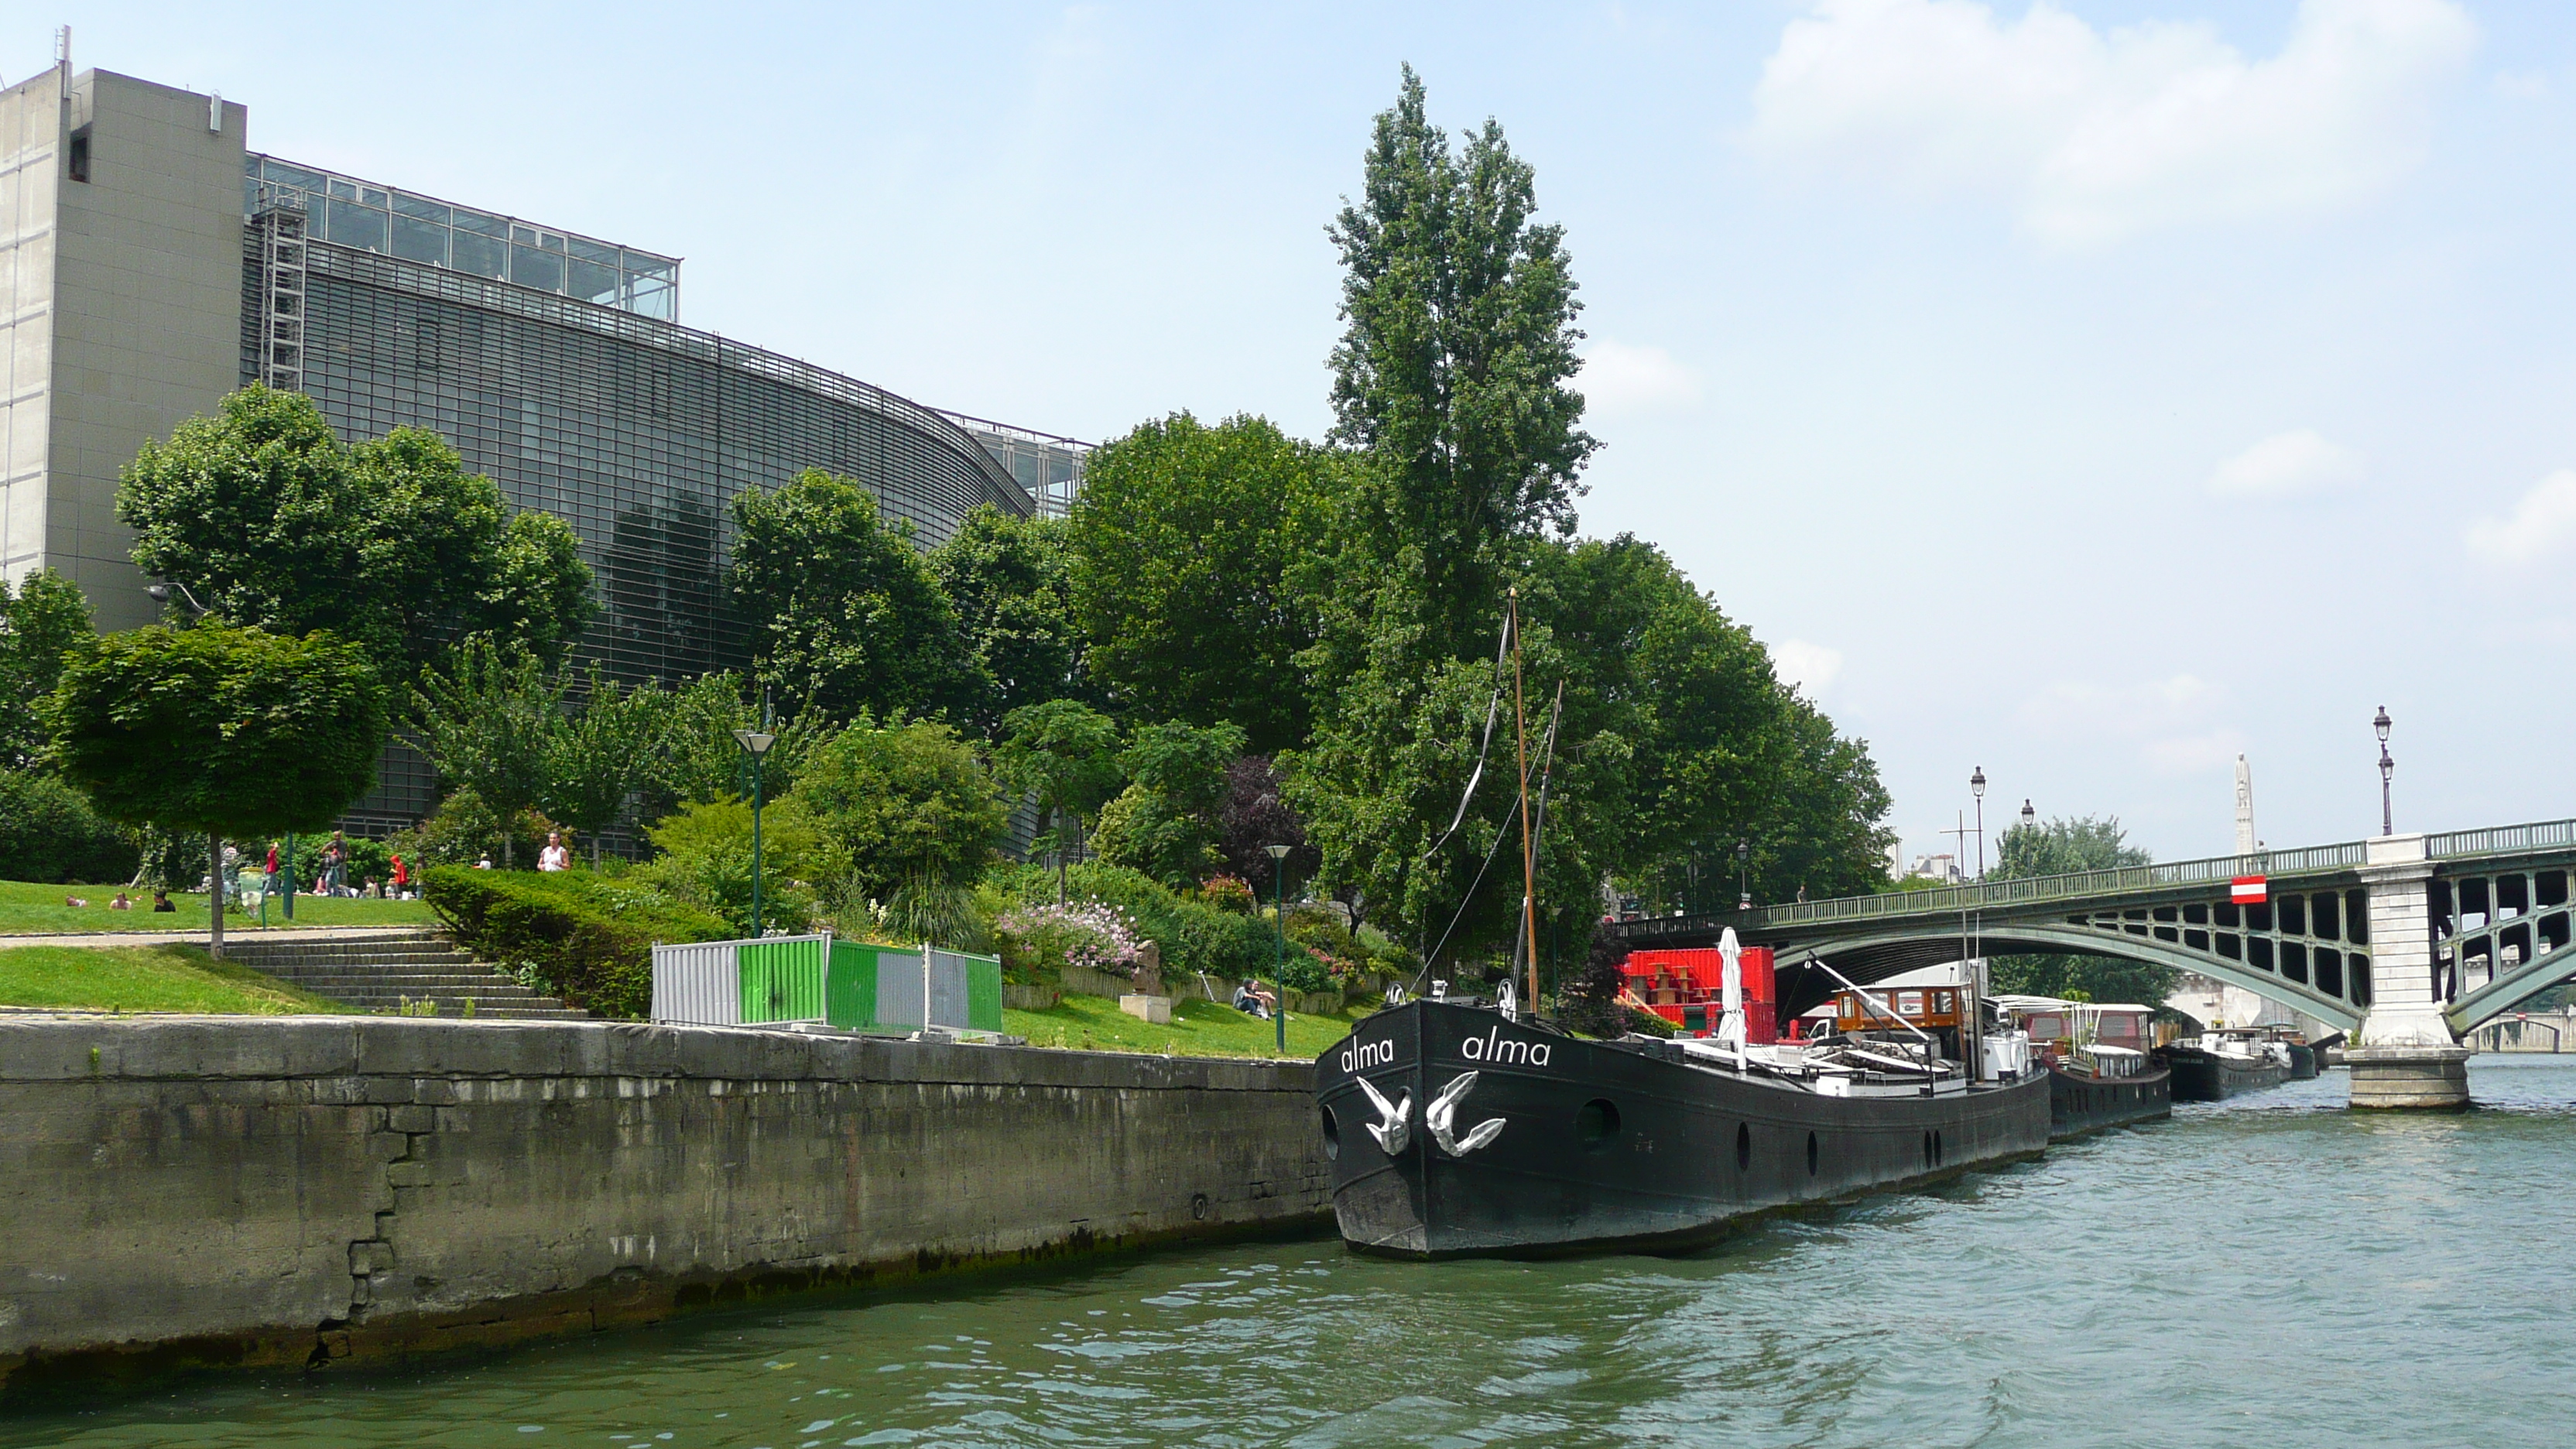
[(2403, 940)]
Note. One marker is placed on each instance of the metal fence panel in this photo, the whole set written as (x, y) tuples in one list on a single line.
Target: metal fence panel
[(898, 988), (850, 985), (697, 984), (782, 977)]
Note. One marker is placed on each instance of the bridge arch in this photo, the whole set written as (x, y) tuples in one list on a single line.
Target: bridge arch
[(1882, 954)]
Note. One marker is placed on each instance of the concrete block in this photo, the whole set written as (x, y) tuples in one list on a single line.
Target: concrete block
[(1154, 1009)]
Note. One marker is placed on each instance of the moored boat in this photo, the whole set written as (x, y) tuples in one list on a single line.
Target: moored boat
[(2099, 1073), (2225, 1063), (1459, 1128)]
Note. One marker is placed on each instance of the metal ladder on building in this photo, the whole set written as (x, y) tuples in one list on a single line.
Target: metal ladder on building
[(281, 286)]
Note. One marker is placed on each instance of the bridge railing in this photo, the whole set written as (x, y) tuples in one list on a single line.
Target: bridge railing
[(1950, 900), (2500, 839)]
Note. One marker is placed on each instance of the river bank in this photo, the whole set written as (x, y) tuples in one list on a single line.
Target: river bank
[(2272, 1269), (177, 1192)]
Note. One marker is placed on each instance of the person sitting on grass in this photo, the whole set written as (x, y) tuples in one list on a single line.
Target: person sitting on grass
[(161, 901), (123, 902), (1251, 1000)]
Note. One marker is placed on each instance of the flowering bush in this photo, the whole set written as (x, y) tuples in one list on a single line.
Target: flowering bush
[(1051, 937), (1228, 893)]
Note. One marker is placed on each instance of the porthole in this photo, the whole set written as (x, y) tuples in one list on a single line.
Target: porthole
[(1332, 1135), (1811, 1154), (1743, 1146), (1597, 1124)]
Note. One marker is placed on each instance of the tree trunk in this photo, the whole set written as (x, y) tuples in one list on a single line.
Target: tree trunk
[(509, 851), (215, 897)]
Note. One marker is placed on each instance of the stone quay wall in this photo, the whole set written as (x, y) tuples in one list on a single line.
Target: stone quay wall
[(182, 1192)]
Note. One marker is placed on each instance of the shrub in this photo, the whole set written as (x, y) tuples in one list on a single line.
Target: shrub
[(1228, 894), (1039, 940), (589, 938), (48, 832), (1195, 937), (706, 862)]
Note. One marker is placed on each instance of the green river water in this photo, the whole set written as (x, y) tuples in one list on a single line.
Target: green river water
[(2269, 1272)]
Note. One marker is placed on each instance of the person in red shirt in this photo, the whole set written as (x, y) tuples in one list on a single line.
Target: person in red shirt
[(402, 877)]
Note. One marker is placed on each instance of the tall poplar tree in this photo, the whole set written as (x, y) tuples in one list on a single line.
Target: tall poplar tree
[(1453, 384)]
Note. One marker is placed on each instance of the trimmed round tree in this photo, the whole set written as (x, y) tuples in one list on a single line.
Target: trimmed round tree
[(218, 729)]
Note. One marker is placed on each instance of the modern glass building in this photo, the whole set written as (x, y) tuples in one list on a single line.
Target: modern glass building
[(155, 263)]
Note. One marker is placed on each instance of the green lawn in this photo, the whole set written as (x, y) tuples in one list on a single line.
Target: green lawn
[(145, 978), (30, 909), (1198, 1029)]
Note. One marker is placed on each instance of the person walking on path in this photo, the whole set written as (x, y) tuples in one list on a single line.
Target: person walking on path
[(554, 856)]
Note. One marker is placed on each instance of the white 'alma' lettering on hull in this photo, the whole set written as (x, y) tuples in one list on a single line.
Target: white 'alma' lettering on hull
[(1493, 1046), (1368, 1054)]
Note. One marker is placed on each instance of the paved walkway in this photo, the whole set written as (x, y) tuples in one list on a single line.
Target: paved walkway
[(199, 936)]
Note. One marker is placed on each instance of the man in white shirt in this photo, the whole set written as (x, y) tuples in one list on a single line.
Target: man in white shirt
[(554, 856)]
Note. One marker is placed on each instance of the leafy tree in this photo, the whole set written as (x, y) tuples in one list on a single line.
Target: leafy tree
[(1009, 580), (48, 832), (1256, 815), (43, 623), (1192, 548), (1455, 369), (1168, 820), (595, 761), (1453, 381), (269, 520), (2062, 846), (907, 806), (706, 861), (540, 591), (488, 721), (220, 730), (1065, 753), (845, 614)]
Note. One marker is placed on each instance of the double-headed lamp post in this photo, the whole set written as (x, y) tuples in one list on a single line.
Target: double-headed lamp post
[(755, 744), (2387, 766), (159, 592), (1279, 940)]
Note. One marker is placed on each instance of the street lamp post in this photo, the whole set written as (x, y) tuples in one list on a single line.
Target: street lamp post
[(2028, 815), (756, 744), (1972, 1028), (159, 592), (2387, 819), (1279, 939), (1744, 875)]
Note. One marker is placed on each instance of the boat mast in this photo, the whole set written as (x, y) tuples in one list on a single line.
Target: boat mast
[(1529, 860)]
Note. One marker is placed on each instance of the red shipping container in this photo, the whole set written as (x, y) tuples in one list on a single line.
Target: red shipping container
[(1701, 974)]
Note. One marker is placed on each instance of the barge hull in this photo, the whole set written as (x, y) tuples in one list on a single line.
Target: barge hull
[(2080, 1104), (1602, 1147)]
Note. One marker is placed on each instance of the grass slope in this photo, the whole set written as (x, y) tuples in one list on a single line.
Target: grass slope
[(1198, 1029), (145, 978), (28, 908)]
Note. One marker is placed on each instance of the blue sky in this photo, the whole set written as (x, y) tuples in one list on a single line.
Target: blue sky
[(2087, 391)]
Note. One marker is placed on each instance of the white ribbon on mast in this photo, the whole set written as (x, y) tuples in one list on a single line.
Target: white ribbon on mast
[(1493, 711), (1730, 1022)]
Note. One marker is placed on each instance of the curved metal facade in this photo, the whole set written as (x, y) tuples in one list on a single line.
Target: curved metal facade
[(638, 432)]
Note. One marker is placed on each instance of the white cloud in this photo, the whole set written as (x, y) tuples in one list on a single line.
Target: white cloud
[(2169, 721), (2542, 523), (2285, 465), (1805, 666), (1618, 378), (2095, 135)]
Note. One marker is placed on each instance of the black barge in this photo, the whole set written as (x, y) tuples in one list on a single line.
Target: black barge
[(1455, 1129)]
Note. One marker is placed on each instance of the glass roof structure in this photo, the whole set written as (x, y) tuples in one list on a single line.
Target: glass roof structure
[(348, 212)]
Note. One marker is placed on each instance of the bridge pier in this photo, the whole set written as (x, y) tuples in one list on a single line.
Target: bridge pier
[(2404, 1056)]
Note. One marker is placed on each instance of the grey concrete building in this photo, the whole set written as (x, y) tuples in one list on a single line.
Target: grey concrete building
[(153, 262)]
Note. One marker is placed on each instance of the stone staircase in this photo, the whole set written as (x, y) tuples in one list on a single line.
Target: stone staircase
[(389, 971)]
